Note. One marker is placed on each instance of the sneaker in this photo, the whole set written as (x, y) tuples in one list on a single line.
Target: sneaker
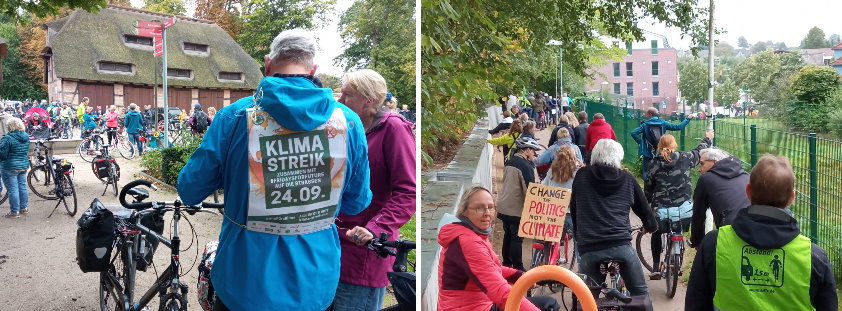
[(655, 275), (12, 215), (24, 211)]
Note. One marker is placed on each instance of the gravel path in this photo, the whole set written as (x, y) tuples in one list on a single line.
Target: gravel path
[(38, 254)]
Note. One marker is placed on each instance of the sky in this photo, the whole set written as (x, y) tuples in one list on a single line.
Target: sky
[(761, 20), (330, 43)]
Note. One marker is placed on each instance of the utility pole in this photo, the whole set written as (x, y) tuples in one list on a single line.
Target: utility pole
[(710, 66)]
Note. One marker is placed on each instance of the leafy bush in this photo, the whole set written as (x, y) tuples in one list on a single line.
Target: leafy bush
[(165, 164)]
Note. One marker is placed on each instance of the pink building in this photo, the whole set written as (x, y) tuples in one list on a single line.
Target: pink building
[(649, 76)]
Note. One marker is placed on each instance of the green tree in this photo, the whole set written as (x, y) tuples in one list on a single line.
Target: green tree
[(17, 9), (18, 82), (758, 47), (726, 94), (813, 87), (723, 49), (742, 42), (760, 71), (693, 82), (470, 48), (262, 20), (224, 13), (834, 39), (815, 39), (380, 35), (174, 7), (780, 46), (330, 81)]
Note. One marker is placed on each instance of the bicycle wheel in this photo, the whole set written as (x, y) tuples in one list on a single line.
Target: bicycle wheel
[(88, 153), (125, 147), (113, 283), (638, 243), (41, 183), (567, 258), (113, 175), (173, 302), (4, 194), (673, 268), (69, 191)]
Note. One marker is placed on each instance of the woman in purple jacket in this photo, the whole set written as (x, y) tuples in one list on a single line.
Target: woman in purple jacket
[(391, 156)]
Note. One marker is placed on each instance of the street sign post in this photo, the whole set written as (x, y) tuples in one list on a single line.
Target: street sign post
[(158, 32)]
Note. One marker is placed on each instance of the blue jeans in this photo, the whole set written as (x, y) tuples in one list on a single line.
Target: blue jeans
[(350, 297), (630, 269), (16, 185), (135, 139)]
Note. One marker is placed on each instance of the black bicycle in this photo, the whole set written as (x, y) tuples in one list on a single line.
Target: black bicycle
[(613, 292), (131, 248), (50, 178), (105, 168), (90, 145), (673, 255)]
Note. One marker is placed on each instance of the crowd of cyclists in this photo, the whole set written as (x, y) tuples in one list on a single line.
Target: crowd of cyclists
[(53, 119), (751, 215)]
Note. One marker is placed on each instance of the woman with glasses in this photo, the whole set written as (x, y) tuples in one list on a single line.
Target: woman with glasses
[(470, 274)]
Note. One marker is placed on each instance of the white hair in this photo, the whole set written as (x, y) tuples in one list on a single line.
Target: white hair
[(714, 154), (15, 124), (607, 152), (294, 45)]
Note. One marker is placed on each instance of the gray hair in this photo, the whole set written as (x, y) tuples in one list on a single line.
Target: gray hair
[(607, 152), (466, 196), (294, 45), (713, 154), (15, 124)]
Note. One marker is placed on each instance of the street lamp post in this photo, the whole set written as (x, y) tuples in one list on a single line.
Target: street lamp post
[(560, 72)]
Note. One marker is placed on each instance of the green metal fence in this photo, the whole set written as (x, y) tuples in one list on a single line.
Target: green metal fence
[(817, 163)]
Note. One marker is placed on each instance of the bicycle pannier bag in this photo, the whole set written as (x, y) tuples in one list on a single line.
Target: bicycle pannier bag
[(94, 238), (100, 167), (155, 222)]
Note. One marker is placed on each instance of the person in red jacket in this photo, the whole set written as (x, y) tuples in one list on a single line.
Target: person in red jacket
[(599, 129), (471, 277)]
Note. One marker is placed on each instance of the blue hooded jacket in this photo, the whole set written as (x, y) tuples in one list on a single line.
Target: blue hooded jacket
[(639, 136), (262, 271)]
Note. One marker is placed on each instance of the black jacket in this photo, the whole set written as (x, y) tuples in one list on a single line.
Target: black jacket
[(602, 196), (580, 132), (723, 190), (764, 232), (555, 131)]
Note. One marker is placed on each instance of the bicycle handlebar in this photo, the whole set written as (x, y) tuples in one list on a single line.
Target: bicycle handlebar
[(130, 189)]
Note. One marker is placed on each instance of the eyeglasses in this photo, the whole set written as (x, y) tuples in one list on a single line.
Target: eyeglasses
[(483, 210)]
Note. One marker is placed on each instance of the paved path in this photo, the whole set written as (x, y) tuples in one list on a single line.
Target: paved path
[(657, 289)]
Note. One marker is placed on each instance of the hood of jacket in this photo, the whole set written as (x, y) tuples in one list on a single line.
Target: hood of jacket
[(598, 122), (133, 113), (451, 231), (608, 178), (19, 136), (297, 102), (564, 141), (656, 120), (765, 226), (728, 168)]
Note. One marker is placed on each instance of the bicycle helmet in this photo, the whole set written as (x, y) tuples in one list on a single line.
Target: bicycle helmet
[(528, 142)]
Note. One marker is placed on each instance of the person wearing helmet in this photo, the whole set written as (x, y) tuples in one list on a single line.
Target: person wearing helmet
[(517, 174)]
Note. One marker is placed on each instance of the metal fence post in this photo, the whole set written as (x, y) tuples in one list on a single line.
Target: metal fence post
[(683, 133), (713, 122), (814, 210), (753, 145)]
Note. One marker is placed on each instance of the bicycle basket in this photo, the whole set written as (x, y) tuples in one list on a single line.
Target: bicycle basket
[(95, 238), (206, 292), (155, 222)]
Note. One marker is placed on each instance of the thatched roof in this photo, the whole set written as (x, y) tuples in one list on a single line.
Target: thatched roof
[(80, 40)]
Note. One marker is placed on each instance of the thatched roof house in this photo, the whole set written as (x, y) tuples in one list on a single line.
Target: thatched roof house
[(101, 57)]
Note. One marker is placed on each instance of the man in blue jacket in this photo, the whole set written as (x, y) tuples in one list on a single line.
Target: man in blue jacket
[(649, 132), (290, 158)]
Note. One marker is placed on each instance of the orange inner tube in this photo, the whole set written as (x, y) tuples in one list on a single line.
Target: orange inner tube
[(550, 272)]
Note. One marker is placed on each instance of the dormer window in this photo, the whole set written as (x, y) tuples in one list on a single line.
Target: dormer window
[(179, 73), (138, 40), (195, 47), (231, 76), (115, 67)]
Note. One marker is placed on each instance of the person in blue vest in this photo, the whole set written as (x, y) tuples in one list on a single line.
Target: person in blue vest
[(649, 133), (290, 159), (761, 261)]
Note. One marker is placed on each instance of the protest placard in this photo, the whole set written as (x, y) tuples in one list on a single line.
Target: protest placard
[(543, 212)]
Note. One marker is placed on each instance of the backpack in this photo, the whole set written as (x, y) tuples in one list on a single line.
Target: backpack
[(201, 121), (652, 136), (95, 234)]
